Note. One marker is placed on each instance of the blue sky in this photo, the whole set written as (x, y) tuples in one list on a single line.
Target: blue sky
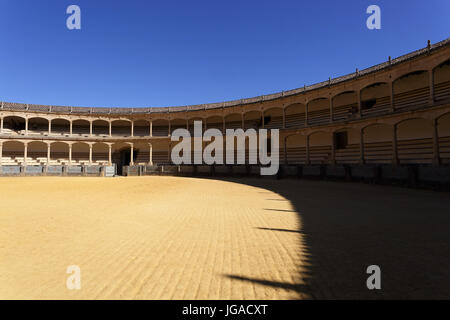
[(139, 53)]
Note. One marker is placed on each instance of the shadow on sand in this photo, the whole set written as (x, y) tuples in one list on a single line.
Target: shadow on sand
[(348, 226)]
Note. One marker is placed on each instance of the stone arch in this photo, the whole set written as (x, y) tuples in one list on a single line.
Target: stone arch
[(378, 145), (411, 89), (37, 153), (345, 105), (100, 127), (13, 153), (60, 126), (121, 128), (319, 111), (252, 120), (81, 127), (80, 153), (59, 153), (13, 124), (414, 141), (38, 126), (160, 127), (441, 81), (215, 122), (141, 128), (319, 147), (375, 98), (295, 115), (100, 153), (273, 118), (233, 121)]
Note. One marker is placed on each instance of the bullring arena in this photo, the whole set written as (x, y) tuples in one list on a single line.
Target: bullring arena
[(170, 231)]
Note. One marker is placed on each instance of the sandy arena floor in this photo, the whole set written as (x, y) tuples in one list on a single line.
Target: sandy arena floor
[(186, 238)]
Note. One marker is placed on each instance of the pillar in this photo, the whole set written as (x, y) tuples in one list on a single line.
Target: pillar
[(151, 128), (132, 154), (110, 128), (436, 151), (109, 154), (26, 126), (90, 128), (431, 81), (394, 146), (90, 154), (170, 129), (25, 154), (132, 128), (71, 125), (150, 162), (49, 127), (70, 154), (331, 109), (307, 150), (391, 93), (48, 153), (361, 146)]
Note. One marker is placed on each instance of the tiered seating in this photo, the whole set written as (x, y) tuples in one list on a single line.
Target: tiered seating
[(350, 154), (381, 106), (378, 152), (444, 149), (253, 124), (274, 123), (318, 117), (412, 99), (319, 154), (160, 131), (295, 155), (442, 91), (342, 113), (296, 120), (415, 150)]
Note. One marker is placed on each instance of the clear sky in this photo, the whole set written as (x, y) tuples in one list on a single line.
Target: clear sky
[(140, 53)]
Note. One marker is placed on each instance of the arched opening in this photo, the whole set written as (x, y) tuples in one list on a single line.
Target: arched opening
[(319, 147), (121, 128), (80, 153), (375, 99), (296, 149), (37, 153), (37, 126), (81, 127), (346, 146), (345, 105), (214, 122), (121, 155), (59, 153), (378, 143), (177, 124), (100, 128), (252, 120), (60, 127), (13, 125), (141, 128), (441, 79), (318, 111), (233, 121), (160, 128), (100, 154), (415, 141), (13, 153), (411, 90), (142, 153), (443, 128), (160, 153), (295, 115), (273, 118)]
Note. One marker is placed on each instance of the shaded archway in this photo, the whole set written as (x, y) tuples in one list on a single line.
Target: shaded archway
[(319, 111), (252, 120), (13, 153), (60, 126), (215, 122), (80, 153), (13, 125), (441, 80), (320, 147), (411, 90), (295, 149), (37, 153), (37, 126), (121, 128), (59, 153), (378, 143), (345, 105), (347, 146), (160, 128), (100, 153), (375, 99), (295, 115), (81, 127), (233, 121), (100, 128), (141, 128), (273, 118)]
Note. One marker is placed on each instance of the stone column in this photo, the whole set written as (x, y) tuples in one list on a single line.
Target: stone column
[(394, 146), (150, 162), (90, 128), (307, 151), (361, 146), (26, 126), (391, 93), (132, 154), (151, 128), (109, 154), (331, 109), (431, 81), (70, 154), (49, 127), (132, 128), (71, 126), (25, 153), (110, 128), (90, 154), (436, 150), (170, 129), (48, 153)]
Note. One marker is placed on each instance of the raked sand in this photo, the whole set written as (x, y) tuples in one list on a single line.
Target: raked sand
[(143, 238), (191, 238)]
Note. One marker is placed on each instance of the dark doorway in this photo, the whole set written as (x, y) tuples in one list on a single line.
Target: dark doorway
[(124, 159)]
